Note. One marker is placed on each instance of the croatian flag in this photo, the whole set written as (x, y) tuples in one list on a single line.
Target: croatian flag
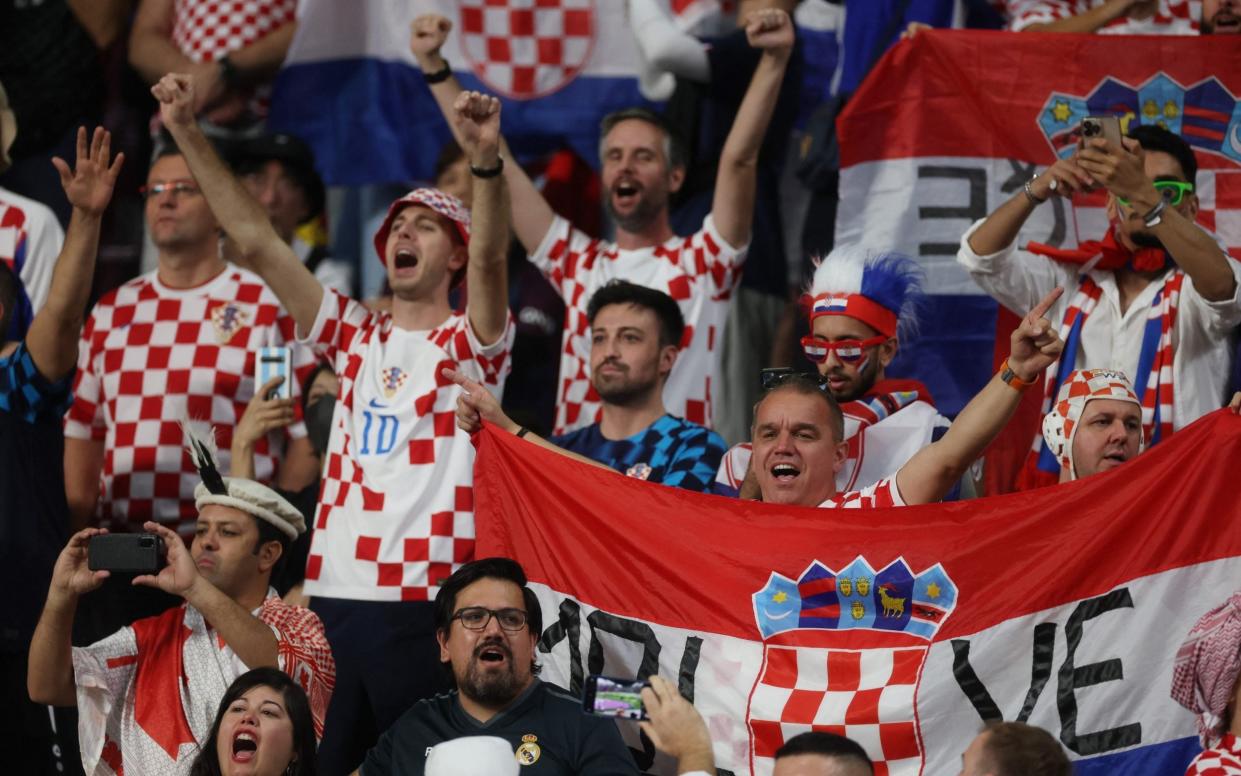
[(905, 629), (952, 123), (351, 88)]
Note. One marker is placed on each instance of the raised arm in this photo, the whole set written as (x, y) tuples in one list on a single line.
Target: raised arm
[(733, 205), (476, 119), (930, 474), (53, 337), (532, 216), (998, 231), (259, 246), (1122, 171), (49, 671), (250, 638)]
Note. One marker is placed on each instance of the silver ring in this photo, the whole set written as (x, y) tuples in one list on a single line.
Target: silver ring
[(1054, 184)]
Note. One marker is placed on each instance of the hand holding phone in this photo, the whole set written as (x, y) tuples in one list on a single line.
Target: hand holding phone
[(607, 696), (275, 362)]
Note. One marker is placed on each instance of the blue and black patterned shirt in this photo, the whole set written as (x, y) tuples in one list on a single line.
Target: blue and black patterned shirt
[(671, 451), (27, 394)]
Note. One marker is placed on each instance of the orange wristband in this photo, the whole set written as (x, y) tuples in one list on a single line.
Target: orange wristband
[(1009, 376)]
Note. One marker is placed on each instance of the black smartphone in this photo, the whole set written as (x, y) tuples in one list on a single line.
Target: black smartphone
[(140, 553), (608, 696)]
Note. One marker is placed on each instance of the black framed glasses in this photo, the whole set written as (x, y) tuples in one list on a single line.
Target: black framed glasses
[(477, 617)]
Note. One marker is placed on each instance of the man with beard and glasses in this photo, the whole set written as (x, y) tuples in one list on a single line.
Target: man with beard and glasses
[(1220, 17), (487, 622), (634, 336), (643, 164), (1155, 298), (860, 304)]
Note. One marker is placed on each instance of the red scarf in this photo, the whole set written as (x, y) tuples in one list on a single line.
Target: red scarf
[(1114, 254)]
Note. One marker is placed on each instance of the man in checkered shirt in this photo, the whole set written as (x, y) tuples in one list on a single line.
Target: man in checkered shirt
[(642, 166), (1110, 17), (396, 507), (798, 433), (174, 344)]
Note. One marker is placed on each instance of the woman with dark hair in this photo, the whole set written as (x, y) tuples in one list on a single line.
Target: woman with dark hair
[(262, 728)]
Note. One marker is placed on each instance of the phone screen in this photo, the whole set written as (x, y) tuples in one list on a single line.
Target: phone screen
[(610, 697)]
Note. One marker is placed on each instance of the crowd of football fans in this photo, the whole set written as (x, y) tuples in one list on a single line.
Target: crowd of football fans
[(236, 477)]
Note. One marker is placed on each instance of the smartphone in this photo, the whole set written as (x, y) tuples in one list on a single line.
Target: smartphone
[(140, 553), (608, 696), (274, 362), (1106, 127)]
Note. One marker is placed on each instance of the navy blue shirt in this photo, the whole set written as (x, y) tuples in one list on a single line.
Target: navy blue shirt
[(671, 451), (34, 518)]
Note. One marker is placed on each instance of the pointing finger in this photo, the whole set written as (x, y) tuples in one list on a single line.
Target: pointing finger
[(1042, 307)]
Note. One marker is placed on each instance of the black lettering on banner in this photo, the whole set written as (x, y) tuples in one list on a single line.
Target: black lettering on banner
[(689, 665), (976, 692), (630, 630), (568, 625), (1021, 174), (977, 208), (1073, 678)]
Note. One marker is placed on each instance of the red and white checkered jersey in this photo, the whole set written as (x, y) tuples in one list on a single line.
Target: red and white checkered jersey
[(30, 241), (205, 30), (699, 272), (1173, 17), (882, 494), (1222, 760), (396, 509), (151, 356)]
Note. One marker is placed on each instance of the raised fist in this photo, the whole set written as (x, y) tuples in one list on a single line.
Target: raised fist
[(427, 35), (770, 30), (175, 93), (477, 117)]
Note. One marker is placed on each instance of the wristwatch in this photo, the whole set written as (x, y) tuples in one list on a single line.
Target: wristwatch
[(1154, 216)]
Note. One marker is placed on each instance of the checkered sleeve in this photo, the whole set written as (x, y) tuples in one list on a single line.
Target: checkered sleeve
[(85, 417), (304, 360), (693, 465), (1215, 762), (27, 394), (491, 363), (1023, 13), (303, 652), (881, 495), (710, 255), (563, 256), (339, 323)]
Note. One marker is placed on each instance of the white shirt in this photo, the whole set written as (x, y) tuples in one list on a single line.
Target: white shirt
[(30, 241), (1202, 338), (699, 272), (396, 509)]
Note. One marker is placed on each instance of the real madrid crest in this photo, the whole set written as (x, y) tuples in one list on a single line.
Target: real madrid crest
[(529, 751), (227, 319)]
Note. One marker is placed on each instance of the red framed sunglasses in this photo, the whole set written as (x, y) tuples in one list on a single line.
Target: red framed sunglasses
[(847, 351)]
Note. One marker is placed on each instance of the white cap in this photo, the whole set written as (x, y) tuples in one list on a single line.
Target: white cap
[(254, 499), (472, 756)]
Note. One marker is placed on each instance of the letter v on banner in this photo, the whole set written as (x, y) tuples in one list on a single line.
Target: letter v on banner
[(902, 628)]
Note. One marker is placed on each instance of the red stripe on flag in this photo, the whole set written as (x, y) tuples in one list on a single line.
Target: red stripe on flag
[(638, 549)]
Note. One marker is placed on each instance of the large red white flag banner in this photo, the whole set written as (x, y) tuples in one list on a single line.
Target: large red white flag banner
[(904, 629), (952, 123)]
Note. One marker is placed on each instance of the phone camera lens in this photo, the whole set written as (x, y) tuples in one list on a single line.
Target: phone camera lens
[(146, 541)]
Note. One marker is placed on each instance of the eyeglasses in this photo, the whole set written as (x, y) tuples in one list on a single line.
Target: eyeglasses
[(848, 351), (1171, 191), (477, 617), (178, 189), (773, 376)]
